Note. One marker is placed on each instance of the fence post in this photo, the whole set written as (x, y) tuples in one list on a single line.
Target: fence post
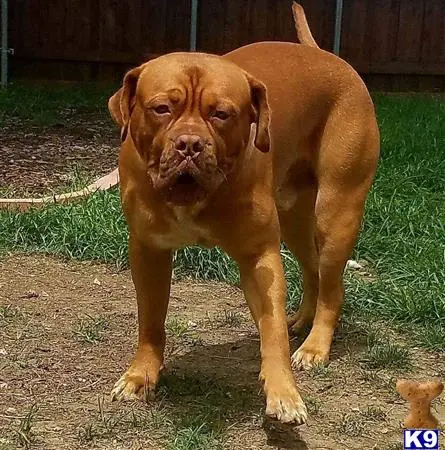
[(193, 25), (4, 44), (337, 31)]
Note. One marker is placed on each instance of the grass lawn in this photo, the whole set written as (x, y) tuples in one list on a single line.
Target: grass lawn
[(43, 104), (402, 240)]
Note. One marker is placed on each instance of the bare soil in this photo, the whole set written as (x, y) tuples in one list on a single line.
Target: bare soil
[(68, 331), (38, 160)]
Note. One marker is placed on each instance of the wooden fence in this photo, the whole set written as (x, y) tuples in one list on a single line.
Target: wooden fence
[(394, 44)]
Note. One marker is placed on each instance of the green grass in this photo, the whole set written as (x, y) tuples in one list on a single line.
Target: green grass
[(203, 407), (382, 354), (91, 230), (47, 104), (177, 327), (195, 437), (226, 318), (354, 424), (91, 329), (403, 236), (128, 419), (404, 228), (189, 413)]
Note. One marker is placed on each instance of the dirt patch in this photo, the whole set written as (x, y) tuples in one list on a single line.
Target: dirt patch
[(38, 160), (68, 330)]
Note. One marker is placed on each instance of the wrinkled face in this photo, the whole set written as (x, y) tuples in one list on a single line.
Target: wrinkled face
[(190, 116)]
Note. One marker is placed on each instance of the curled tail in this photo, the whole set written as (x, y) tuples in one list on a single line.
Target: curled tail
[(301, 26)]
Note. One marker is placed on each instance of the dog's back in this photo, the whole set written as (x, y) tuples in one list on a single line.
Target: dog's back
[(305, 85)]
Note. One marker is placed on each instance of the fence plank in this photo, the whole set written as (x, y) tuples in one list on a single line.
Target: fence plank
[(284, 29), (211, 16), (353, 31), (381, 30), (153, 38), (233, 34), (433, 33), (177, 34), (321, 17), (102, 37), (410, 30)]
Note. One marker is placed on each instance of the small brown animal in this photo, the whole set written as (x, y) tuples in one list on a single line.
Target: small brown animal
[(419, 396)]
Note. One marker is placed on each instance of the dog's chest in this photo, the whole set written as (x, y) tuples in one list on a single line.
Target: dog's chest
[(182, 230)]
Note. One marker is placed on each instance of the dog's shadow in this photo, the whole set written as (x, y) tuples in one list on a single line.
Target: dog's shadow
[(218, 384)]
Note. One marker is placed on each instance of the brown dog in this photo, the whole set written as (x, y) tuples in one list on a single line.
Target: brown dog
[(209, 158)]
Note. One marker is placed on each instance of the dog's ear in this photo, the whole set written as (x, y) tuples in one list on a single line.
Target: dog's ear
[(261, 113), (114, 106), (121, 104)]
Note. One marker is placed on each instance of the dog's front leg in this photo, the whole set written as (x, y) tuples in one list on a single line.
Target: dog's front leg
[(151, 270), (264, 286)]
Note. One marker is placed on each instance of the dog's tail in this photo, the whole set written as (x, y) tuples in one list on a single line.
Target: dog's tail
[(301, 26)]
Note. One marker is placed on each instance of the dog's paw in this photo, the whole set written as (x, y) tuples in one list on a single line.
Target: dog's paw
[(299, 321), (133, 387), (308, 356), (288, 409)]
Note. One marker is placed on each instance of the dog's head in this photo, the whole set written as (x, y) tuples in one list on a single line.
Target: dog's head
[(189, 116)]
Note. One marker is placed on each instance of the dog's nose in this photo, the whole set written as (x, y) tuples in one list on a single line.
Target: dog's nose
[(189, 144)]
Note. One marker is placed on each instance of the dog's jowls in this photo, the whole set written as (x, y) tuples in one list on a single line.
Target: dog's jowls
[(272, 141)]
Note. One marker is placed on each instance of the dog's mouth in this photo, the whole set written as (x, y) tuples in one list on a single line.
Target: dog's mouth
[(186, 179), (185, 187)]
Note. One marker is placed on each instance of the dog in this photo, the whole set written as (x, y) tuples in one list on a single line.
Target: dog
[(271, 142)]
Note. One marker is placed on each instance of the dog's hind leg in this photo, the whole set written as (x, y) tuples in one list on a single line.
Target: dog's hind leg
[(298, 233), (336, 234), (345, 169)]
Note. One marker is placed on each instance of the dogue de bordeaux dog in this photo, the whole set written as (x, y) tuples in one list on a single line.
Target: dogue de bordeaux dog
[(273, 141)]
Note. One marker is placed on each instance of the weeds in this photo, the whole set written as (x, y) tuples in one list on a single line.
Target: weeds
[(352, 424), (109, 424), (24, 434), (189, 430), (320, 371), (231, 319), (91, 329), (9, 312), (196, 438), (177, 327), (355, 423), (374, 414), (313, 406), (227, 318), (386, 355)]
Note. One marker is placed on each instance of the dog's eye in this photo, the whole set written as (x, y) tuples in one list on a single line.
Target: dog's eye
[(221, 115), (162, 109)]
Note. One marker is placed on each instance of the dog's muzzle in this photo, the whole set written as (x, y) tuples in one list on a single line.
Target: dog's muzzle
[(188, 170)]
